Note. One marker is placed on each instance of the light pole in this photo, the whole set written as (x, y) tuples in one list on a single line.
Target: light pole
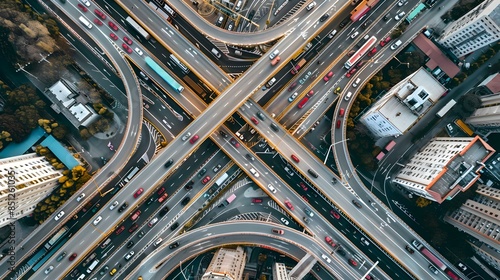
[(407, 63), (329, 148)]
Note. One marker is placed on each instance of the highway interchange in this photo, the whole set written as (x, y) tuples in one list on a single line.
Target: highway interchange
[(383, 228)]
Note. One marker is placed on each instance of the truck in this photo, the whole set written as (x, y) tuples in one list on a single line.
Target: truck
[(297, 67), (56, 237), (446, 108), (85, 22), (390, 145), (230, 199)]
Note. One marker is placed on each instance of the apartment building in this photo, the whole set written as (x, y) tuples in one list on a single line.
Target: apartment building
[(227, 264)]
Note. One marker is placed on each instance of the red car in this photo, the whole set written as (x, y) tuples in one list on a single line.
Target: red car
[(305, 198), (113, 26), (120, 230), (97, 21), (310, 93), (330, 241), (292, 86), (113, 36), (295, 158), (351, 72), (100, 14), (341, 112), (127, 40), (194, 139), (83, 8), (289, 205), (205, 180), (234, 142), (338, 124), (161, 191), (302, 185), (385, 41), (254, 120), (133, 227), (372, 52), (328, 76), (138, 192), (335, 214), (126, 48), (256, 200), (353, 262), (72, 257)]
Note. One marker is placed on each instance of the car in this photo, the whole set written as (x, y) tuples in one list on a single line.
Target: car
[(274, 54), (194, 139), (409, 249), (216, 168), (174, 226), (462, 267), (127, 48), (329, 240), (341, 252), (324, 17), (186, 136), (338, 90), (305, 198), (351, 72), (354, 35), (353, 262), (190, 184), (185, 201), (399, 16), (306, 220), (49, 269), (250, 157), (271, 188), (86, 2), (153, 222), (120, 230), (129, 255), (278, 231), (59, 215), (433, 269), (164, 211), (140, 234), (201, 173), (61, 256), (328, 76), (367, 23), (417, 244), (254, 120), (310, 93), (364, 241), (331, 34), (295, 158), (105, 268), (372, 52), (158, 241), (338, 124), (396, 45), (341, 112), (254, 172), (356, 204), (113, 36), (97, 220), (309, 212), (112, 272), (335, 214), (138, 192), (127, 40), (230, 26), (385, 41), (275, 60), (402, 2), (72, 257), (235, 143), (292, 86), (450, 127), (303, 186), (256, 200), (173, 245), (223, 133), (100, 14), (83, 8), (205, 180), (293, 96), (98, 22), (113, 205), (289, 205), (80, 197), (284, 221), (326, 258), (311, 6), (113, 26), (260, 115), (133, 227), (123, 207)]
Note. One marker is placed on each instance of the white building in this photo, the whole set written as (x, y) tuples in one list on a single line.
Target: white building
[(488, 115), (399, 109), (227, 264), (280, 272), (24, 181), (445, 167), (474, 30)]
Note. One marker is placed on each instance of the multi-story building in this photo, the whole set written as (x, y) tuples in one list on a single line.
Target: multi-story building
[(400, 108), (24, 181), (487, 116), (445, 167), (227, 264), (476, 29), (280, 272)]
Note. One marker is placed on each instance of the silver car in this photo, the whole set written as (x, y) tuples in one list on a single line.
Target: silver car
[(186, 136)]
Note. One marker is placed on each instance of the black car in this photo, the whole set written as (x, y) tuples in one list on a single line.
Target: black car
[(356, 204), (409, 249), (141, 234), (123, 207), (168, 163), (341, 252), (173, 245), (202, 172), (164, 211), (185, 201), (324, 17), (130, 244), (223, 134), (189, 185), (345, 22), (151, 200), (174, 226), (250, 157), (260, 115)]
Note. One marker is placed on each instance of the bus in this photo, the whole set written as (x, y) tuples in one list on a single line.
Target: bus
[(465, 128), (36, 257), (56, 237), (131, 174), (221, 179), (138, 28), (360, 53), (181, 65), (163, 74), (364, 7), (433, 259), (446, 108)]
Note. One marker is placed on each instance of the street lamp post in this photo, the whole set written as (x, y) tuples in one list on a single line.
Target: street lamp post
[(407, 63), (329, 148)]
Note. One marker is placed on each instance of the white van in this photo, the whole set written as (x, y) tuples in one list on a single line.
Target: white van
[(271, 82), (216, 53), (92, 266), (237, 7), (396, 45), (356, 83), (347, 96), (85, 22)]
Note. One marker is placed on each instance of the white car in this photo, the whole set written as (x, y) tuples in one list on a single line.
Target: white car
[(364, 241), (274, 54), (293, 96), (80, 197), (59, 215), (86, 2), (254, 172), (354, 35), (113, 206), (49, 269), (97, 220), (271, 188), (153, 222), (450, 127), (138, 51), (129, 255), (402, 2), (186, 136), (399, 16), (326, 258), (284, 221)]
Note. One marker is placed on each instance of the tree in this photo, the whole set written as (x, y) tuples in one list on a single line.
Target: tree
[(422, 202), (10, 124), (23, 95)]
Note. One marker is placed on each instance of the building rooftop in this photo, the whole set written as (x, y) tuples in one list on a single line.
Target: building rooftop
[(60, 152), (492, 82), (16, 149), (436, 57)]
